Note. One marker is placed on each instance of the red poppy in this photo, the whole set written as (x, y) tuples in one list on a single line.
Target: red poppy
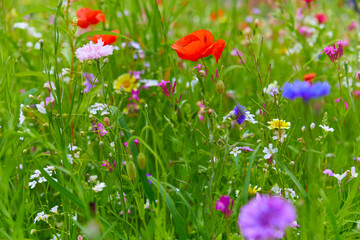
[(87, 17), (309, 77), (198, 44), (107, 39), (321, 18)]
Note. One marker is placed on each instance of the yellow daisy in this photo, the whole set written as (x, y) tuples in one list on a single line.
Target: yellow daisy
[(278, 124), (125, 81)]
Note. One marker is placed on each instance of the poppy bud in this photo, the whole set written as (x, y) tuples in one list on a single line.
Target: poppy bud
[(220, 87), (141, 161), (130, 167), (106, 121)]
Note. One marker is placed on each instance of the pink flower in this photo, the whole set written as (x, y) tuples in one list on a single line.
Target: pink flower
[(328, 172), (333, 52), (305, 31), (352, 26), (321, 18), (345, 103), (93, 51), (167, 92), (223, 205), (134, 95)]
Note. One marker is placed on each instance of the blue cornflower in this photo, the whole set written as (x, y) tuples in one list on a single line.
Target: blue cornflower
[(239, 113), (305, 90)]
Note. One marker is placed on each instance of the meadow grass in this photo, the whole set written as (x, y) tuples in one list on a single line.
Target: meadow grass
[(165, 161)]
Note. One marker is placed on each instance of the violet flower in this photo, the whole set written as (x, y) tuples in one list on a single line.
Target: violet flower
[(89, 82)]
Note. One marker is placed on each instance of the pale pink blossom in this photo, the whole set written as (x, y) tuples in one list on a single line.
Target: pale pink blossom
[(93, 51)]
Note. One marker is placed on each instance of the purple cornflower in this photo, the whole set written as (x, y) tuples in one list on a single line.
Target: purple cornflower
[(167, 92), (93, 51), (89, 82), (266, 217), (305, 90), (223, 205), (239, 113), (246, 149), (334, 52), (328, 172)]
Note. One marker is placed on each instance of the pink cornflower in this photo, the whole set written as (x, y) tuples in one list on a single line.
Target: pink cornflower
[(93, 51), (334, 52)]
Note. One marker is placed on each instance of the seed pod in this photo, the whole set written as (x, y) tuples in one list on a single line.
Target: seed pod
[(141, 161), (130, 167), (106, 121), (220, 87)]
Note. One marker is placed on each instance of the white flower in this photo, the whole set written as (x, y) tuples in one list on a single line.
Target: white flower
[(65, 71), (21, 25), (32, 184), (42, 179), (21, 117), (41, 107), (312, 126), (326, 128), (41, 216), (340, 177), (280, 136), (92, 178), (99, 187), (272, 88), (94, 109), (36, 174), (303, 129), (269, 151), (353, 173), (54, 209), (235, 151), (74, 217), (70, 159), (250, 117)]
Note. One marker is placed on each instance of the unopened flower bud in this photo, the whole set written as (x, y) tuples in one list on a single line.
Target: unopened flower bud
[(131, 170), (106, 60), (202, 73), (101, 143), (312, 126), (220, 87), (141, 161), (106, 121), (303, 129)]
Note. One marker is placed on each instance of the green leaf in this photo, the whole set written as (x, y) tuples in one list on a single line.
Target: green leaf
[(170, 204), (36, 10), (230, 68), (144, 180), (248, 174), (30, 74), (331, 215), (92, 33)]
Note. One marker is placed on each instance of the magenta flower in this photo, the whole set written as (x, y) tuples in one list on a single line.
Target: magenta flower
[(223, 205), (266, 217), (328, 172), (334, 52), (93, 51), (135, 74), (345, 103), (134, 95), (198, 67), (167, 92), (99, 128)]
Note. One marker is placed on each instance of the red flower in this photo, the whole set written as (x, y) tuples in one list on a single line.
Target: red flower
[(198, 44), (309, 77), (87, 17), (321, 18), (309, 1), (107, 39)]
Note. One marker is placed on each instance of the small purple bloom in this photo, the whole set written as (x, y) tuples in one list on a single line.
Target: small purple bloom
[(148, 175), (223, 205), (328, 172), (99, 128), (239, 113), (305, 90), (198, 67), (134, 95), (89, 82), (266, 217), (334, 52), (246, 149)]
